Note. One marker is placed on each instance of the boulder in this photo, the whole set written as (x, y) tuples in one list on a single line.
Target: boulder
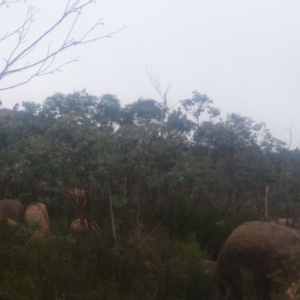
[(11, 222), (37, 214), (80, 226), (209, 266), (292, 292), (251, 255), (11, 209)]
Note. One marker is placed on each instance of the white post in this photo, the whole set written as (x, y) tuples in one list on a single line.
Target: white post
[(266, 202)]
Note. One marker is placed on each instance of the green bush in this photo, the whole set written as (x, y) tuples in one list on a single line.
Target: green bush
[(210, 227), (68, 266), (188, 277)]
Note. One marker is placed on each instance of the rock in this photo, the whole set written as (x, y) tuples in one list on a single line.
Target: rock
[(80, 226), (11, 222), (11, 209), (209, 266), (292, 292), (36, 213), (255, 250)]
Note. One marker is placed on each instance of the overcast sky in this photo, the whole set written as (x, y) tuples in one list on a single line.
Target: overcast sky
[(245, 55)]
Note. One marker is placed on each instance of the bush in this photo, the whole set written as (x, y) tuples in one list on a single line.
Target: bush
[(68, 266), (187, 275)]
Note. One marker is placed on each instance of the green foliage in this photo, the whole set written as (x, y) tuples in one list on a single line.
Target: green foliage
[(191, 281), (144, 111), (199, 104), (77, 267), (58, 267), (288, 274), (209, 226)]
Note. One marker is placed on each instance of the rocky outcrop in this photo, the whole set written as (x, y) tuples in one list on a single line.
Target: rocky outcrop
[(80, 226), (11, 209), (209, 266), (36, 215), (292, 292), (255, 250), (11, 222)]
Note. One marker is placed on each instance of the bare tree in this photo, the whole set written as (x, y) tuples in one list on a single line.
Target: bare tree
[(24, 56), (163, 93), (155, 81)]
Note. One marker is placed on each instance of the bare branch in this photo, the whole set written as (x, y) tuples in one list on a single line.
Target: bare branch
[(155, 81), (7, 2), (290, 134), (41, 72), (28, 19), (14, 63)]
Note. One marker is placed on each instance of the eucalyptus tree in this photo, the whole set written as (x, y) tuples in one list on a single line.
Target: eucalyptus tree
[(199, 105), (108, 112), (232, 150), (179, 124), (144, 111)]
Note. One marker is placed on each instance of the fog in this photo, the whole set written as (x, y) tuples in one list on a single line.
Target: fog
[(242, 54)]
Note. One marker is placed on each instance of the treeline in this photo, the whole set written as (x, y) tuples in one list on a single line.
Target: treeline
[(147, 174)]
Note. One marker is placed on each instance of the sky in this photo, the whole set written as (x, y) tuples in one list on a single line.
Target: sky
[(244, 55)]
